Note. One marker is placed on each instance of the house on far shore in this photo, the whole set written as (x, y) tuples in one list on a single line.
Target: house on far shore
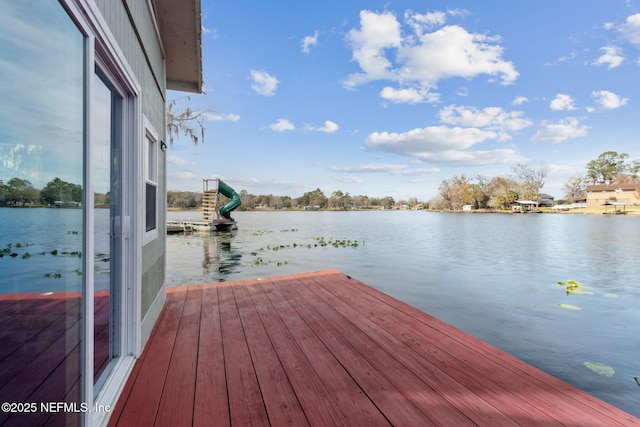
[(546, 200), (599, 194)]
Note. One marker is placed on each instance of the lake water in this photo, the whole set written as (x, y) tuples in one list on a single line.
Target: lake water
[(494, 276)]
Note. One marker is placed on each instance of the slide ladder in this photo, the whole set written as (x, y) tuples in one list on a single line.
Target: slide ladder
[(211, 209)]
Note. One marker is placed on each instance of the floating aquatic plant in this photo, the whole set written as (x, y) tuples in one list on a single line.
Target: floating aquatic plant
[(571, 286), (261, 232), (570, 307), (600, 368), (336, 243)]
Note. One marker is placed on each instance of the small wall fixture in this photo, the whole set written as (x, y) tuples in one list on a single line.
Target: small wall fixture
[(163, 146)]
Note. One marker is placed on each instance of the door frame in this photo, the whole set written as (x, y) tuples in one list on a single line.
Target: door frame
[(102, 51)]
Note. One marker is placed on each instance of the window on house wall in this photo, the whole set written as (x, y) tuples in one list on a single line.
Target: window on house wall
[(151, 185)]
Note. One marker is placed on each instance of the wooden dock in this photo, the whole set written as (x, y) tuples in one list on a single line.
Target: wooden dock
[(188, 226), (324, 349)]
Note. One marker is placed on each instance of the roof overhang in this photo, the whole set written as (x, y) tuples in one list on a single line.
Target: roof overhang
[(181, 32)]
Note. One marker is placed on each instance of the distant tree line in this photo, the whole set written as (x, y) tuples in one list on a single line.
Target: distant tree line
[(20, 192), (315, 199), (484, 192), (527, 181)]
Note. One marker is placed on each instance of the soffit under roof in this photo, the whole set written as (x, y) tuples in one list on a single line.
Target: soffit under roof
[(181, 32)]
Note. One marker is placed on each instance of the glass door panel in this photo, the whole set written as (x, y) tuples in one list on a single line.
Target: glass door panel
[(42, 63), (106, 108)]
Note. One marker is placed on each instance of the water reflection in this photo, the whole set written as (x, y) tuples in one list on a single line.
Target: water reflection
[(220, 256)]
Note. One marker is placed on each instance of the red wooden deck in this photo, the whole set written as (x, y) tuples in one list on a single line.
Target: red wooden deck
[(324, 349)]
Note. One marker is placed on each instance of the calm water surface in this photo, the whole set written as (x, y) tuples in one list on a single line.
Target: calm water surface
[(494, 276)]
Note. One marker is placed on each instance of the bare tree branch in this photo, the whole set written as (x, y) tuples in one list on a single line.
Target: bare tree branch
[(186, 122)]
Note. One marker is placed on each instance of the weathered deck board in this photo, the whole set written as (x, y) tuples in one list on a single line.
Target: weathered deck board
[(211, 380), (406, 370), (324, 349), (280, 399), (344, 400), (150, 371)]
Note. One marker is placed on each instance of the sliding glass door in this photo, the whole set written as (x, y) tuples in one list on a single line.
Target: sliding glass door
[(43, 231), (65, 230)]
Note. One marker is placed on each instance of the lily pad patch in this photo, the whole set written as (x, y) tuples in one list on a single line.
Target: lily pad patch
[(570, 307), (600, 368)]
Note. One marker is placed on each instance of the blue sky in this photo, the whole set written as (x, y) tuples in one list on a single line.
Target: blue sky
[(391, 98)]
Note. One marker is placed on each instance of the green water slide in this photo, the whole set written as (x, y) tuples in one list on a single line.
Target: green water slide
[(235, 201)]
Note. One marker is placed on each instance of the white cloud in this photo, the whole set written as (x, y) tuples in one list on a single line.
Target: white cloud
[(388, 168), (608, 100), (439, 144), (562, 102), (377, 33), (421, 59), (519, 100), (631, 29), (503, 156), (349, 179), (491, 118), (612, 57), (453, 52), (329, 127), (568, 128), (421, 22), (408, 95), (282, 125), (176, 160), (463, 91), (220, 117), (309, 41), (264, 83), (183, 176)]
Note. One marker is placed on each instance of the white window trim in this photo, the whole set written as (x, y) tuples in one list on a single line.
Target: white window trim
[(152, 134)]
